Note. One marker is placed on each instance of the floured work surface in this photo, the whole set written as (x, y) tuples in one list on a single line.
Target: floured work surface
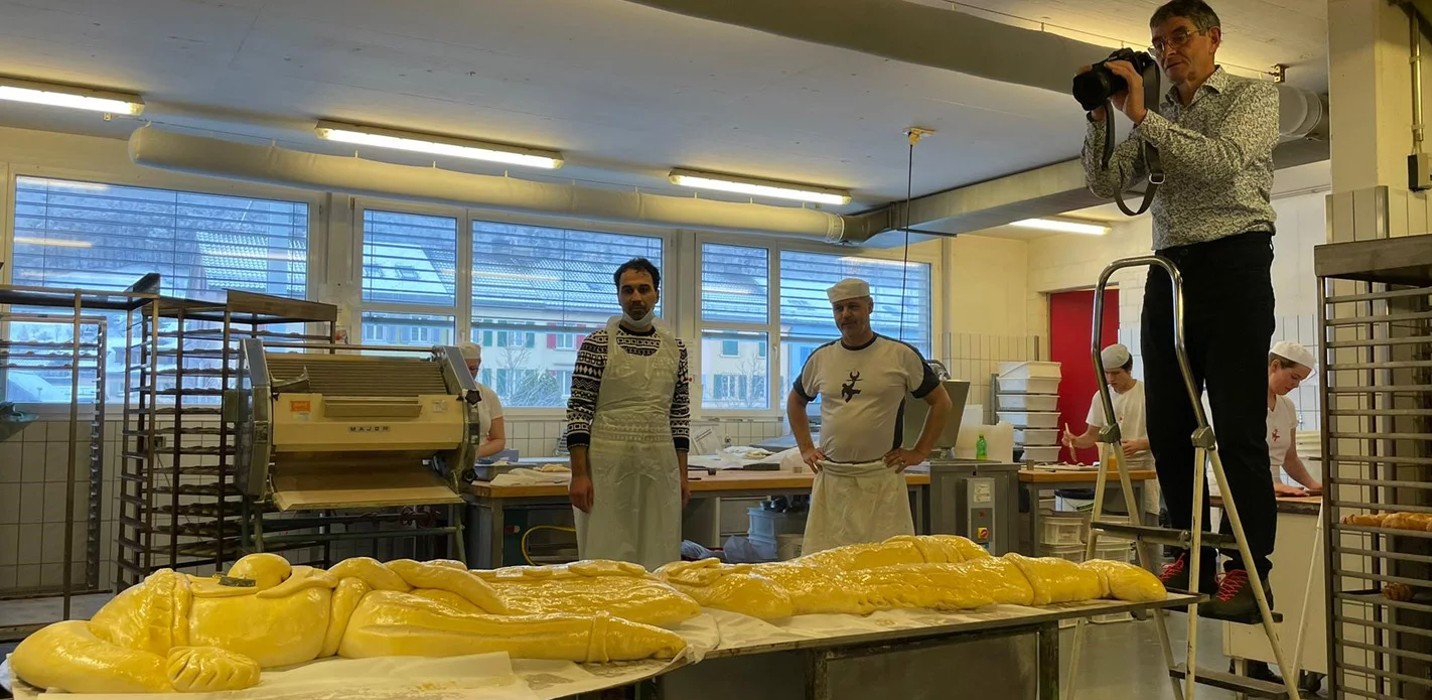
[(298, 488)]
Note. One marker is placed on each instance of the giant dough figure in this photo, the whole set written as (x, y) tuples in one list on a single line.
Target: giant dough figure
[(184, 633)]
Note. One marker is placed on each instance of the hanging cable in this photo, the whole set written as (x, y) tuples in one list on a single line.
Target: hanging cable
[(913, 134)]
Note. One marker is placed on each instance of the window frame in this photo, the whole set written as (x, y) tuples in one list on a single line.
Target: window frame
[(11, 172), (775, 246), (462, 280)]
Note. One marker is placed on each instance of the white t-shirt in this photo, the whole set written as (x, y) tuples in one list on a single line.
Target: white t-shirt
[(488, 409), (862, 395), (1282, 434), (1132, 415)]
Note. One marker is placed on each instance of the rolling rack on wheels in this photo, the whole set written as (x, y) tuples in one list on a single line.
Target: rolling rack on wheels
[(1194, 539)]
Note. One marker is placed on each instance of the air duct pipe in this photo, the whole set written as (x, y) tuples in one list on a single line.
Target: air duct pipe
[(166, 150)]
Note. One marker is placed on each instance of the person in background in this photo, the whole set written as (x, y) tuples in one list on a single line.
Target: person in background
[(1289, 365), (489, 407), (1128, 399), (862, 380), (1127, 395), (628, 430), (1213, 218)]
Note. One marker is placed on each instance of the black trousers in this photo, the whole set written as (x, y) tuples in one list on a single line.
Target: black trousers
[(1228, 323)]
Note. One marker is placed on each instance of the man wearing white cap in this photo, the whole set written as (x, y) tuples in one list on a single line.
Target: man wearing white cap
[(489, 408), (1129, 411), (1289, 364), (862, 381)]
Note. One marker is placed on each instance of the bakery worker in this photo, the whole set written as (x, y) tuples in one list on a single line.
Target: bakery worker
[(1289, 365), (628, 427), (489, 407), (1127, 395), (862, 381), (1129, 412)]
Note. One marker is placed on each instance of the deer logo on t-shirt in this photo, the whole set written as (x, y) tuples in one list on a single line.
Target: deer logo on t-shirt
[(1275, 435), (848, 390)]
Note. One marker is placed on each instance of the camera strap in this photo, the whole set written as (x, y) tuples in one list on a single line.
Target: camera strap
[(1149, 153)]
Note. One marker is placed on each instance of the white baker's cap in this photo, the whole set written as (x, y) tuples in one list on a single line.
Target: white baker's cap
[(1294, 351), (848, 288), (1115, 356), (470, 351)]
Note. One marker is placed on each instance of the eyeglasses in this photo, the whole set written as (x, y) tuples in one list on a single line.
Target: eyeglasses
[(1175, 40)]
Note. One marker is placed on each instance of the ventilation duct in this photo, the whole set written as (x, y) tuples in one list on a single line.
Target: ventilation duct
[(167, 150)]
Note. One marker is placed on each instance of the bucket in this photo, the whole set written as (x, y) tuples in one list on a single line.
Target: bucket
[(788, 547)]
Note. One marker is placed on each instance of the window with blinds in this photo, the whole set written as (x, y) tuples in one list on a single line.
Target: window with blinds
[(537, 292), (73, 234), (735, 318), (901, 291), (409, 278)]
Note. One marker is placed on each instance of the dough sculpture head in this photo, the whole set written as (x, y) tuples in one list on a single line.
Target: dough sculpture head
[(939, 572), (174, 632)]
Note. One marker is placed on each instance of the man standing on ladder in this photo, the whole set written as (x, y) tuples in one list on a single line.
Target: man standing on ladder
[(1213, 219)]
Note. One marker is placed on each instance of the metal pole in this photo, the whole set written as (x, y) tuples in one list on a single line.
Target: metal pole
[(68, 574)]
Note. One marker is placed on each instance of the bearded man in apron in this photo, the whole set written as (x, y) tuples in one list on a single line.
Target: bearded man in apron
[(862, 380), (628, 430)]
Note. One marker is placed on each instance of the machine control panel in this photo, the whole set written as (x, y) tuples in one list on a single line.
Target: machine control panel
[(980, 507)]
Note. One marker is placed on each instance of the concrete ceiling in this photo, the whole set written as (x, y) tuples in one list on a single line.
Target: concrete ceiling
[(625, 91)]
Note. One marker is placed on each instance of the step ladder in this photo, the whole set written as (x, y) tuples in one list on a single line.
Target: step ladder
[(1184, 677)]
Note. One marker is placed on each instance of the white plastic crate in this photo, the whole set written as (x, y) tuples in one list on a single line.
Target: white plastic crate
[(1029, 370), (1041, 455), (1030, 419), (1028, 402), (1029, 386), (1071, 552), (1060, 530), (1115, 550), (768, 525), (1037, 437)]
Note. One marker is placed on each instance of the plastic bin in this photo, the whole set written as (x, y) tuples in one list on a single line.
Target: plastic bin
[(1029, 386), (1072, 552), (1037, 437), (1062, 530), (1034, 454), (1028, 370), (1030, 419), (769, 525), (1028, 402), (1114, 550)]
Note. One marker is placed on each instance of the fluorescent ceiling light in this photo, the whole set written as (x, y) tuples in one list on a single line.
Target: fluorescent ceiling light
[(17, 90), (53, 242), (1063, 226), (438, 145), (759, 188)]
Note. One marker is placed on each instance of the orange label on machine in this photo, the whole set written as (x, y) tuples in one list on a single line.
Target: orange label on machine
[(981, 533), (300, 406)]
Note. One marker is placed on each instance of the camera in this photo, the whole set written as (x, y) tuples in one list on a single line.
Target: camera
[(1092, 88)]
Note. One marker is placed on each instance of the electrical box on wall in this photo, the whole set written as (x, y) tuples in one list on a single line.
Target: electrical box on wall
[(1419, 171)]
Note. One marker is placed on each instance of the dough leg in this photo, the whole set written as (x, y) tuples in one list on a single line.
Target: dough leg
[(387, 623)]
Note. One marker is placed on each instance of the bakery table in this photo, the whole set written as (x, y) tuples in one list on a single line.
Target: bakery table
[(1034, 481), (491, 505)]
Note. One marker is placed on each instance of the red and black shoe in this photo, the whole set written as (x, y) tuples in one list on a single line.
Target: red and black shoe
[(1234, 599)]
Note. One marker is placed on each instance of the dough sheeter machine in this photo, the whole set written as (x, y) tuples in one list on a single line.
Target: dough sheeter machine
[(319, 433)]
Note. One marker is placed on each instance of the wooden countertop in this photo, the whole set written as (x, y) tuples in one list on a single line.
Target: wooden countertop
[(1292, 505), (701, 482), (1090, 476)]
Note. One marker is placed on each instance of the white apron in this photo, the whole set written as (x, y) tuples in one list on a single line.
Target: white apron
[(856, 504), (636, 485)]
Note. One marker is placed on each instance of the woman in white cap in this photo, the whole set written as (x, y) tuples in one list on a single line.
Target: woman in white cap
[(489, 408), (1289, 365)]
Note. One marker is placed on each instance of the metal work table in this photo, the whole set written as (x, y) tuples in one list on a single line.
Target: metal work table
[(1000, 652), (490, 503), (1033, 482)]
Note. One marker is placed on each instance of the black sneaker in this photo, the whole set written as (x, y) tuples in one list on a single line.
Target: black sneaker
[(1175, 575), (1234, 600), (1259, 671)]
